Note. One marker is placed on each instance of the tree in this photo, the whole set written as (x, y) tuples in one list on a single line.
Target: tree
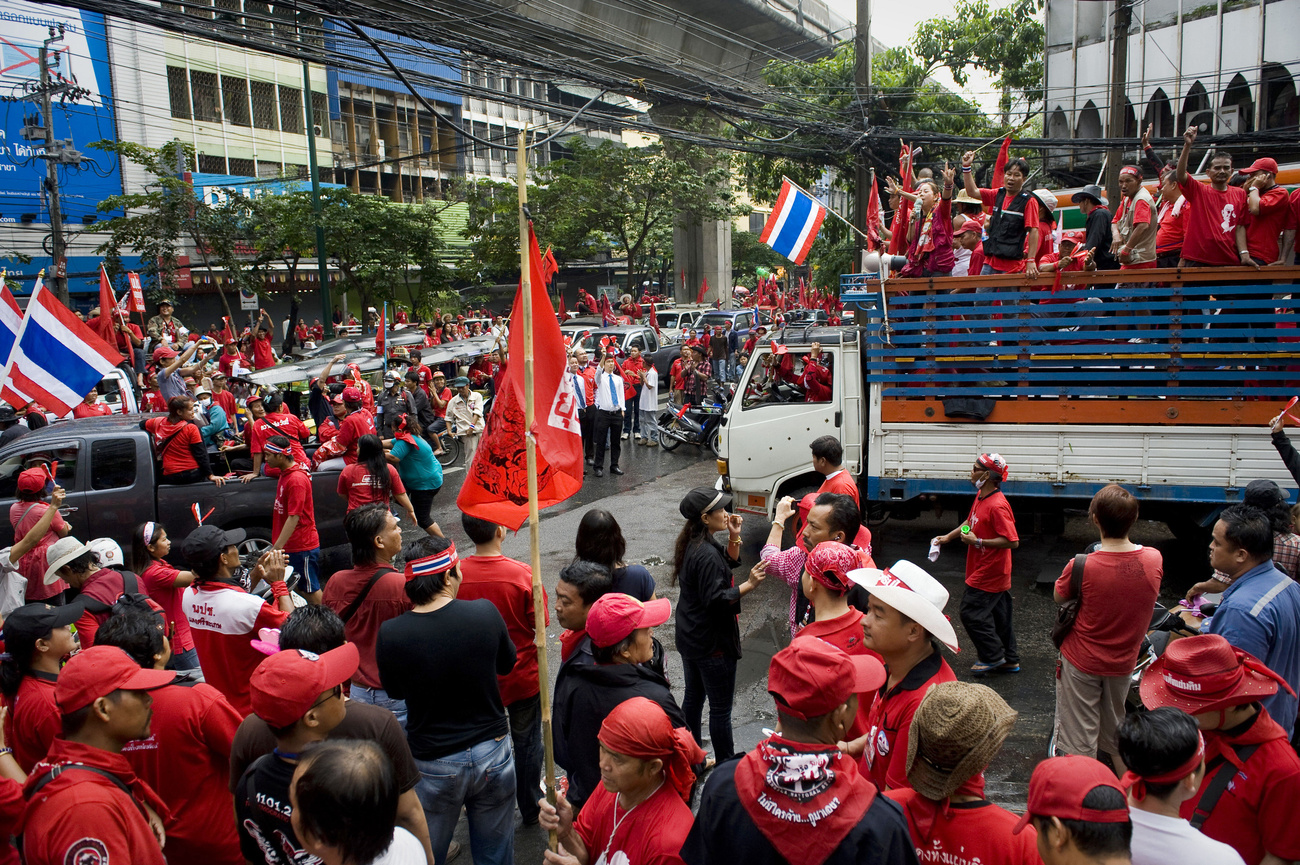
[(1007, 43), (749, 253), (492, 228)]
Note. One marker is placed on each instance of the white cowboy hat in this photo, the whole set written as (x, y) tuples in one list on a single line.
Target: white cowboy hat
[(914, 593)]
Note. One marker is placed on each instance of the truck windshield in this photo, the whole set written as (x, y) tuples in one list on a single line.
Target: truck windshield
[(793, 377)]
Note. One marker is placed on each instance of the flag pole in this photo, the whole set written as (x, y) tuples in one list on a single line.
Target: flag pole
[(829, 209), (530, 450)]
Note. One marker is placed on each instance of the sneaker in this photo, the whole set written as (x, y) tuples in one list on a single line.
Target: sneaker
[(624, 437), (654, 443), (1008, 667)]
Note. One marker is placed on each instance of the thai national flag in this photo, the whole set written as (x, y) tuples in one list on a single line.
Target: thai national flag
[(11, 321), (56, 358), (793, 225)]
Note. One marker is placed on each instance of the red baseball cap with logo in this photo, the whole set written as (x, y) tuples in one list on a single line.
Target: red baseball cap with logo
[(32, 480), (810, 677), (99, 671), (1060, 784), (615, 616), (287, 684)]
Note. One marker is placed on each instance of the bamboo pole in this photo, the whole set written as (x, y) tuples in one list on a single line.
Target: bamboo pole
[(530, 449)]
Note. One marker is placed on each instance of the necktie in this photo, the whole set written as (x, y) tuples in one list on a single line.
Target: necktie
[(579, 390), (613, 392)]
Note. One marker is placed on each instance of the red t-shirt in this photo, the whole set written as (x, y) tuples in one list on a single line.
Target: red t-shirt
[(226, 400), (1011, 265), (987, 568), (293, 498), (224, 620), (352, 428), (1172, 226), (652, 833), (1119, 592), (176, 454), (226, 362), (279, 424), (105, 585), (1212, 219), (386, 600), (152, 401), (845, 633), (1262, 232), (34, 719), (263, 354), (841, 483), (159, 582), (24, 516), (1256, 813), (425, 376), (1295, 207), (354, 482), (186, 760), (508, 584), (445, 396), (99, 409), (968, 832), (890, 720)]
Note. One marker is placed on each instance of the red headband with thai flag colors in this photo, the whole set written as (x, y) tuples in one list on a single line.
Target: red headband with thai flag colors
[(430, 565), (271, 447)]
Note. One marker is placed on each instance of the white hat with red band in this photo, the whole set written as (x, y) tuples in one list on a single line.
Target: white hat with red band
[(909, 589)]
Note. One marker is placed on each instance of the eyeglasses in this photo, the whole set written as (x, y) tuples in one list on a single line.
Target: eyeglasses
[(337, 691)]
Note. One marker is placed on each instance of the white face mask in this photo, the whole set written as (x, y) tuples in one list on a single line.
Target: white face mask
[(205, 402), (979, 483)]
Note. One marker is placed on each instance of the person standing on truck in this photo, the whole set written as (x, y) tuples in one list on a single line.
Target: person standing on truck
[(989, 534), (179, 444), (1014, 225), (1133, 228), (815, 378), (293, 516), (1215, 210), (162, 328), (1096, 226), (1268, 226), (24, 515), (828, 461), (263, 353)]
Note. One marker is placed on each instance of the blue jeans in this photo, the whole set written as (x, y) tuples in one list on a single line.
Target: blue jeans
[(631, 417), (526, 738), (713, 677), (305, 563), (379, 697), (482, 779), (186, 660)]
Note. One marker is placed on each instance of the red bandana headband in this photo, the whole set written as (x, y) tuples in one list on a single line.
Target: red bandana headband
[(1137, 784), (430, 565), (1130, 171)]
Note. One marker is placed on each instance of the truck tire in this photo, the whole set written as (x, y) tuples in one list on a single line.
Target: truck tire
[(257, 540), (715, 443)]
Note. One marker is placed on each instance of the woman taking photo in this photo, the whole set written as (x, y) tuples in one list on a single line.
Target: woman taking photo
[(708, 635), (600, 540), (179, 444)]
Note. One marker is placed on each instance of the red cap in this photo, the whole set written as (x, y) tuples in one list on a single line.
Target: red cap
[(1060, 784), (286, 685), (810, 677), (1204, 673), (99, 671), (1261, 164), (32, 480), (349, 394), (615, 616), (163, 352), (972, 223)]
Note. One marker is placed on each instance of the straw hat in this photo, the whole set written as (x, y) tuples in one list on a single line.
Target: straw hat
[(963, 198), (957, 730)]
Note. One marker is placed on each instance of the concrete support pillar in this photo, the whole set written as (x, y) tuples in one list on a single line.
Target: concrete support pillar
[(703, 251)]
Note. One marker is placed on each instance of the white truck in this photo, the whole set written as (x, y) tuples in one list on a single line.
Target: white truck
[(1169, 394)]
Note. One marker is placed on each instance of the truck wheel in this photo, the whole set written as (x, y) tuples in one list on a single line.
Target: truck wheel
[(257, 540)]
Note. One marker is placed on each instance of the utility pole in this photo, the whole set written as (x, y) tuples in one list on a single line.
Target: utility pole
[(862, 179), (53, 156), (1118, 84), (326, 313)]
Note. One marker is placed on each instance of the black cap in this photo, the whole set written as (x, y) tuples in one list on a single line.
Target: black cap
[(1263, 493), (34, 621), (207, 542), (703, 500)]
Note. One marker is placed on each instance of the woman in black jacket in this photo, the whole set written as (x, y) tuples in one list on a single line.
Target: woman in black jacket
[(621, 644), (708, 635)]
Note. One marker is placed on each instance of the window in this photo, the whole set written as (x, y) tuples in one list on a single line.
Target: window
[(112, 464), (268, 169), (257, 14), (199, 9), (637, 341), (205, 96), (234, 99), (227, 11), (772, 379), (242, 167), (263, 100), (65, 454), (291, 109), (210, 164), (178, 91), (320, 109)]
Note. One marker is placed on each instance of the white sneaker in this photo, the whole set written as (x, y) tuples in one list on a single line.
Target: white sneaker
[(624, 436)]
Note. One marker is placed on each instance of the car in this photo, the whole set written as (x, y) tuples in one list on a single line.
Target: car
[(742, 320), (672, 321), (807, 317), (656, 351)]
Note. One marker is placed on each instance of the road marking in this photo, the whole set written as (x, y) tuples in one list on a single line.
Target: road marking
[(452, 470)]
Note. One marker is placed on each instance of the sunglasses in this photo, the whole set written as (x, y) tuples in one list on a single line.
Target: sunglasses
[(337, 691)]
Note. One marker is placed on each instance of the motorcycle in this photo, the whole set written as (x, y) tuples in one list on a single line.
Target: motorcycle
[(695, 425)]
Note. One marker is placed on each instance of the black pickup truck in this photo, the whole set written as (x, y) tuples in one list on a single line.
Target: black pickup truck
[(107, 467)]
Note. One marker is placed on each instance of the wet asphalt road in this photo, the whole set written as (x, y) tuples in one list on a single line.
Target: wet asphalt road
[(645, 503)]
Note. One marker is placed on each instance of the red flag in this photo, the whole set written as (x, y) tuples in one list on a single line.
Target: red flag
[(654, 319), (875, 217), (1000, 166), (606, 311), (563, 313), (496, 486), (380, 340), (903, 215), (704, 289), (104, 325), (549, 266), (136, 294)]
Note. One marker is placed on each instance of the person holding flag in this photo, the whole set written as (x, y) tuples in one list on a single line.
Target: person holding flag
[(1014, 224), (929, 237)]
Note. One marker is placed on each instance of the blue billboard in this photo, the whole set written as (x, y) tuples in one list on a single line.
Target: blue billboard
[(411, 61), (83, 56)]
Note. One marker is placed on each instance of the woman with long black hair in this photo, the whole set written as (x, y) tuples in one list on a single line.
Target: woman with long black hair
[(708, 635), (372, 479), (37, 639), (600, 540)]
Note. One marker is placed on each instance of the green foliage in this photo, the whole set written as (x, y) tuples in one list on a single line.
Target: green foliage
[(748, 253), (1006, 42), (492, 228)]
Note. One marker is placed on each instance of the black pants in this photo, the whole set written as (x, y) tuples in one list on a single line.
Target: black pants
[(586, 422), (422, 504), (713, 678), (987, 618), (608, 424), (526, 736), (189, 476)]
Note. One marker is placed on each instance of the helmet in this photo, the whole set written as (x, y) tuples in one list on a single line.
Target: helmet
[(108, 551)]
